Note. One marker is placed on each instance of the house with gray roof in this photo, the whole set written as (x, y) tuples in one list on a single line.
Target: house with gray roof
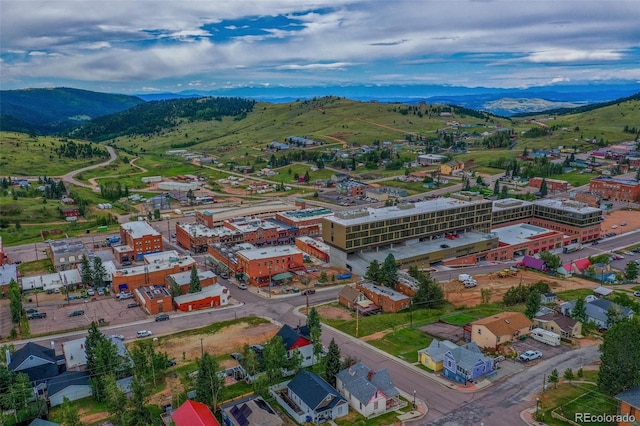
[(66, 254), (597, 311), (73, 385), (38, 362), (369, 392), (466, 363), (629, 404), (432, 356), (308, 398), (8, 272)]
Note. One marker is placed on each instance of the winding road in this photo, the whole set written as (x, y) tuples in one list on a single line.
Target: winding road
[(69, 178)]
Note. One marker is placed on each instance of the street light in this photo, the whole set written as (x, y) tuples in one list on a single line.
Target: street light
[(414, 399), (537, 407)]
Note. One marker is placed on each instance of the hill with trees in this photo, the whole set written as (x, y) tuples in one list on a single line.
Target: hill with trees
[(52, 111)]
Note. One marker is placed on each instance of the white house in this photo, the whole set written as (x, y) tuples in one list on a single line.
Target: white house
[(368, 392), (298, 339)]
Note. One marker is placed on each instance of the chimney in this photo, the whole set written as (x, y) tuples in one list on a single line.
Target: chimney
[(370, 375)]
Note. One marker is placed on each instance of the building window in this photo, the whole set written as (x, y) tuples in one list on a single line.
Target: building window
[(479, 331)]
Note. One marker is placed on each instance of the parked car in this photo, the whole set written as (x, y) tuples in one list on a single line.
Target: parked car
[(162, 317), (242, 286), (100, 291), (76, 313), (171, 362), (636, 293), (118, 336), (143, 333), (308, 291), (31, 311), (133, 305), (237, 356), (91, 292), (530, 355), (125, 295), (37, 315)]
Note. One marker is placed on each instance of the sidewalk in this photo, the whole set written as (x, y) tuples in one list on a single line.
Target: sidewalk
[(528, 416)]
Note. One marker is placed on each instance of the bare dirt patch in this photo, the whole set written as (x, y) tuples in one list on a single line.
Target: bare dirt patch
[(334, 312), (457, 295), (229, 339), (92, 418), (617, 217)]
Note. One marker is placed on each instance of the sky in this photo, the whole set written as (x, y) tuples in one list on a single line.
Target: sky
[(147, 46)]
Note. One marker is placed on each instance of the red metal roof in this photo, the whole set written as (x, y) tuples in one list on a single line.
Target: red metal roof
[(193, 413)]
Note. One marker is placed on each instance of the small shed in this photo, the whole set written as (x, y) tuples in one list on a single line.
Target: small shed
[(602, 291)]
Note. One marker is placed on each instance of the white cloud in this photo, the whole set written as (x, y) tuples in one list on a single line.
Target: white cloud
[(569, 55)]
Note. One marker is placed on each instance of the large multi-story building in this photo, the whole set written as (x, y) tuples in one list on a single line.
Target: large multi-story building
[(155, 270), (610, 188), (416, 234), (577, 221), (66, 254), (261, 266), (212, 218), (141, 237)]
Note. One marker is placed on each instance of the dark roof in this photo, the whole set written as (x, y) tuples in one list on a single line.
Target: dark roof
[(630, 396), (349, 293), (533, 263), (252, 410), (291, 336), (362, 382), (31, 349), (565, 322), (70, 378), (313, 390), (41, 372)]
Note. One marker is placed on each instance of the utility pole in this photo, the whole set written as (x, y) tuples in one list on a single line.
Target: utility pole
[(544, 382)]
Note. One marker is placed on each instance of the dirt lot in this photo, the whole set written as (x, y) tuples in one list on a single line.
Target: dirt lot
[(227, 340), (457, 295), (615, 218)]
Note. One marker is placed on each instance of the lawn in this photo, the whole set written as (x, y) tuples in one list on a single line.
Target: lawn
[(570, 398), (458, 319), (579, 293), (286, 177), (356, 419), (30, 210), (403, 343), (365, 326), (35, 267)]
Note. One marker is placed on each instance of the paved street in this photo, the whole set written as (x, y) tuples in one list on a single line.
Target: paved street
[(499, 404)]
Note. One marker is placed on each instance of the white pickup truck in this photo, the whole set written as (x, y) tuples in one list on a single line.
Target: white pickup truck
[(467, 280)]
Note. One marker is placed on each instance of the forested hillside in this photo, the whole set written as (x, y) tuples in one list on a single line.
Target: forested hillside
[(52, 111), (156, 116)]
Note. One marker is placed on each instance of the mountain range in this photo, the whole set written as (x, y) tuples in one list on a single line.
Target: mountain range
[(54, 111)]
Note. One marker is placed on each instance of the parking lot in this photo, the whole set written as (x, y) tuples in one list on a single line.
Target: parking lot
[(107, 308), (548, 351), (342, 200)]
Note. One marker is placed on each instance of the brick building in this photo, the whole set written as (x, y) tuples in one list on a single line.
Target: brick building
[(154, 271), (210, 297), (183, 279), (386, 298), (141, 237), (154, 299), (312, 247), (589, 198), (261, 266), (610, 188), (553, 185)]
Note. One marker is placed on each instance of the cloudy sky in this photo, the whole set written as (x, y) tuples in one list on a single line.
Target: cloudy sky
[(136, 46)]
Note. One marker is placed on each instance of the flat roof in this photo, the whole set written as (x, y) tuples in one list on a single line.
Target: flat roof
[(239, 211), (139, 229), (306, 214), (320, 245), (361, 260), (617, 180), (182, 278), (569, 206), (267, 252), (368, 214), (391, 293), (67, 246), (519, 233), (208, 291), (8, 272), (509, 203), (199, 230)]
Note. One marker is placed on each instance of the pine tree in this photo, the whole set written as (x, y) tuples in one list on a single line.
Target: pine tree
[(99, 272), (579, 311), (373, 272), (554, 377), (533, 304), (86, 272), (208, 382), (496, 187), (389, 271), (315, 332), (333, 363), (543, 187), (631, 271), (194, 284)]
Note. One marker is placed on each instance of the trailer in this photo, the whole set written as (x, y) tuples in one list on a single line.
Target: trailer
[(464, 277), (545, 336)]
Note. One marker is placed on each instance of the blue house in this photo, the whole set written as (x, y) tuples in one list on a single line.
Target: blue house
[(466, 363)]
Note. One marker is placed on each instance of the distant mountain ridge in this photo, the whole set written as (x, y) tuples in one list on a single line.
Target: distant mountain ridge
[(56, 111), (51, 111)]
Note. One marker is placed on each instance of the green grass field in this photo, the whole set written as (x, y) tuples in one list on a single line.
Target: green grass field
[(403, 343), (23, 155)]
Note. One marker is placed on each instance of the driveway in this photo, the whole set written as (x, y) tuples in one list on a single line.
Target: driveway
[(548, 351)]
